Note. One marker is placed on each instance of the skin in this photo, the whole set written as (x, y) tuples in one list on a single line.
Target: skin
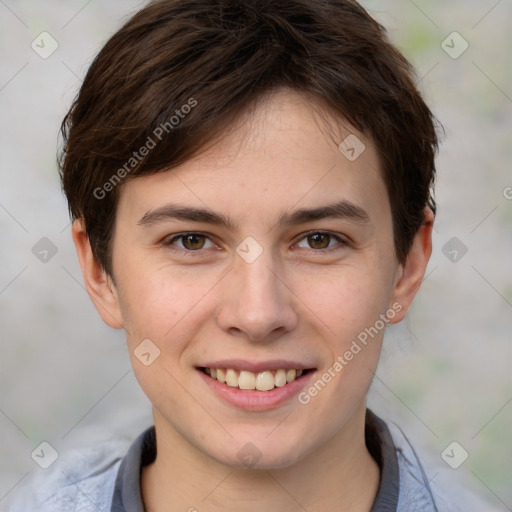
[(296, 301)]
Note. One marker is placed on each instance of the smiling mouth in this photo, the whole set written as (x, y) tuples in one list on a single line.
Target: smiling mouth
[(261, 381)]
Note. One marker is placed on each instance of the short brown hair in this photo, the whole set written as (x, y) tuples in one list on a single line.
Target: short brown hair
[(184, 69)]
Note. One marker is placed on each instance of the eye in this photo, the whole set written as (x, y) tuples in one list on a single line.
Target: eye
[(320, 241), (190, 241)]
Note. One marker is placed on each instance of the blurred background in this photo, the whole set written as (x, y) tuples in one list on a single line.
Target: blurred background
[(445, 377)]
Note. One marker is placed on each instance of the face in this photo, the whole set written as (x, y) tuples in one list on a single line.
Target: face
[(269, 253)]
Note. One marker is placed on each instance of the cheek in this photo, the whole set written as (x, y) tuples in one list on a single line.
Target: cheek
[(345, 301), (163, 304)]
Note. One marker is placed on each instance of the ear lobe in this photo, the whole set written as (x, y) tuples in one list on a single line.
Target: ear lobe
[(410, 274), (99, 285)]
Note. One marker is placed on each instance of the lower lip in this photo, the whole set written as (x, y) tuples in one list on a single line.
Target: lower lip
[(252, 400)]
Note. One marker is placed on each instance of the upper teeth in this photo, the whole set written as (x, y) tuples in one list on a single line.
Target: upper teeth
[(262, 381)]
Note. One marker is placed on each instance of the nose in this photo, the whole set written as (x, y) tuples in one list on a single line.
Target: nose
[(256, 302)]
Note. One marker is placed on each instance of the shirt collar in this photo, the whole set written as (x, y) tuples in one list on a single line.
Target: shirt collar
[(127, 492), (381, 447)]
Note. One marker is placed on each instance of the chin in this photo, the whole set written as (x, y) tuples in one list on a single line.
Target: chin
[(262, 455)]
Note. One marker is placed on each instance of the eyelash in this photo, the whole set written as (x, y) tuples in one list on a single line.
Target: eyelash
[(189, 252)]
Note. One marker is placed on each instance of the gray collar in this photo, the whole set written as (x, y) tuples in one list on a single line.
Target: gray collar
[(127, 493)]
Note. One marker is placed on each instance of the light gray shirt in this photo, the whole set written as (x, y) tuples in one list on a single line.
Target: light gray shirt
[(107, 478)]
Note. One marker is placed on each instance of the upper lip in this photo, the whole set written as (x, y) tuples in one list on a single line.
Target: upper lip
[(256, 367)]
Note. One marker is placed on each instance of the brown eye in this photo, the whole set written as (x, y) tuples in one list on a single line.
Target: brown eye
[(193, 242), (319, 241), (190, 242)]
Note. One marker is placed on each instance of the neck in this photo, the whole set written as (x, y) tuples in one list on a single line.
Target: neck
[(341, 475)]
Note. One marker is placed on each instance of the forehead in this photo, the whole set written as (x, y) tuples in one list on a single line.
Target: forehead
[(286, 152)]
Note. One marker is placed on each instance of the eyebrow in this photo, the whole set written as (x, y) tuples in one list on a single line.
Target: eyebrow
[(339, 210), (173, 212)]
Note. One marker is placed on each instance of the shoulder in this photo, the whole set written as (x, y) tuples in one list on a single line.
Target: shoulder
[(424, 489), (80, 480)]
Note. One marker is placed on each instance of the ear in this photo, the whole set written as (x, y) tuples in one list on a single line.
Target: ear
[(410, 274), (99, 285)]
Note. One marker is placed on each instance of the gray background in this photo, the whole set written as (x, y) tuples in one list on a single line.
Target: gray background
[(445, 376)]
